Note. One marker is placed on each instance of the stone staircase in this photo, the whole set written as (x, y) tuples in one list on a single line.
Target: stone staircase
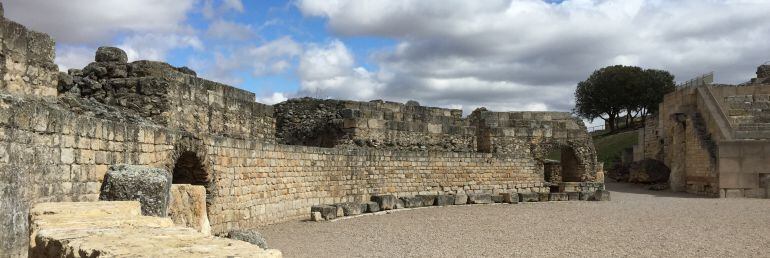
[(749, 115), (117, 229)]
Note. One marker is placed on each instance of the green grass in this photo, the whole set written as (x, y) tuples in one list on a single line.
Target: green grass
[(609, 147)]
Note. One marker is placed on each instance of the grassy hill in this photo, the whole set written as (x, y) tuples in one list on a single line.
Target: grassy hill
[(609, 147)]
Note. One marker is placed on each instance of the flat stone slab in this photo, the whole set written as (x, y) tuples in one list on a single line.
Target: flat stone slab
[(117, 229), (428, 200), (326, 211), (557, 197), (412, 202), (497, 198), (461, 199), (529, 197), (386, 202), (510, 198), (445, 199), (479, 198)]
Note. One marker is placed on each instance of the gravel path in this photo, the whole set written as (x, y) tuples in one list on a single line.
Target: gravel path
[(636, 222)]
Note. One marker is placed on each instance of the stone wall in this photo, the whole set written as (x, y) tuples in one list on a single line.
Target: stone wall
[(26, 61)]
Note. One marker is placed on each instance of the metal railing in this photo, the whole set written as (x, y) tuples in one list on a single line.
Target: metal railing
[(701, 80)]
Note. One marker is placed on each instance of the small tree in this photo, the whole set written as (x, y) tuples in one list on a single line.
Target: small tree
[(608, 92)]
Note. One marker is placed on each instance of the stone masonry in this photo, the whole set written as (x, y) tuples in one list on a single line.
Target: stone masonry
[(259, 164)]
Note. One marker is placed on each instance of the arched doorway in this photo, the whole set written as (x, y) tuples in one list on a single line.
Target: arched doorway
[(189, 169), (560, 164)]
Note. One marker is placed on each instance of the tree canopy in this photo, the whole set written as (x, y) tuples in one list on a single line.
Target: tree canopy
[(615, 90)]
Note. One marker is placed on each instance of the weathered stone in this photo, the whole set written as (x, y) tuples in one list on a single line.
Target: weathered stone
[(327, 211), (497, 198), (558, 197), (543, 197), (445, 199), (411, 202), (600, 195), (187, 207), (349, 208), (111, 54), (340, 211), (248, 235), (585, 196), (399, 204), (479, 198), (573, 196), (510, 197), (149, 186), (372, 207), (386, 202), (65, 82), (428, 200), (648, 171), (461, 199), (316, 216), (529, 197)]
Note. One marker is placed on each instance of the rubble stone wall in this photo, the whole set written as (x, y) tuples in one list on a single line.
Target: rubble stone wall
[(26, 61)]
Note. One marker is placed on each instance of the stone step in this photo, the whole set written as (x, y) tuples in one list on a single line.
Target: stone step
[(117, 229)]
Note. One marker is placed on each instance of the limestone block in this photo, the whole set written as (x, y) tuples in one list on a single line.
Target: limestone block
[(250, 236), (573, 196), (372, 207), (543, 197), (111, 54), (585, 196), (327, 211), (349, 208), (187, 207), (399, 204), (529, 197), (411, 202), (386, 202), (510, 197), (316, 216), (428, 200), (601, 195), (461, 199), (558, 197), (445, 199), (149, 186), (479, 198), (497, 198)]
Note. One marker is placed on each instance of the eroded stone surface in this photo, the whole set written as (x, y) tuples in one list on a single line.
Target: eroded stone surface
[(187, 207), (149, 186)]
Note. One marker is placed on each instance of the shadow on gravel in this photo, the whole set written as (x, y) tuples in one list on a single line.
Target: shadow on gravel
[(643, 189)]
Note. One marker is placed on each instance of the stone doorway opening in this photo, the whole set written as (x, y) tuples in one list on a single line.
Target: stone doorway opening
[(561, 165), (188, 169)]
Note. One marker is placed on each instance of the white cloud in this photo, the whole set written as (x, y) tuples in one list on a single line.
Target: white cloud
[(210, 11), (222, 29), (274, 98), (68, 57), (329, 71), (270, 58), (530, 54), (85, 21), (153, 46)]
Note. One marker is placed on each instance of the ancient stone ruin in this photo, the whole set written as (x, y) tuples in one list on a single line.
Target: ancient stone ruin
[(238, 164), (714, 138)]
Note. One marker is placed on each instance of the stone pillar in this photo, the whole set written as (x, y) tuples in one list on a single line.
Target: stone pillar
[(188, 207)]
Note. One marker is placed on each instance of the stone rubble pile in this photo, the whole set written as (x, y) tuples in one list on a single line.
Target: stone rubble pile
[(390, 202)]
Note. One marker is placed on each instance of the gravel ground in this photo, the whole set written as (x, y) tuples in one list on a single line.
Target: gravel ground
[(637, 222)]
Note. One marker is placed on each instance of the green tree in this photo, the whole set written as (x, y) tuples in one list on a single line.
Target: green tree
[(611, 91)]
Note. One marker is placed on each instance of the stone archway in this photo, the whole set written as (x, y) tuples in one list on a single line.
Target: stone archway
[(192, 185), (561, 162), (188, 169)]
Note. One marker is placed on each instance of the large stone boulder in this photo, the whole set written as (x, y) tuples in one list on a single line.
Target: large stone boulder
[(386, 202), (150, 186), (349, 208), (111, 54), (445, 199), (529, 197), (326, 211), (250, 236), (461, 199), (648, 171), (428, 200), (412, 202), (510, 198)]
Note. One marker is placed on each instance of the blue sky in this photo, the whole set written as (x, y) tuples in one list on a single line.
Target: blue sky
[(499, 54)]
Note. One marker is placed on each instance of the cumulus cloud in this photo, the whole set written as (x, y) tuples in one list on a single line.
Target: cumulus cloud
[(154, 46), (85, 21), (212, 9), (227, 30), (274, 98), (270, 58), (73, 57), (530, 54), (329, 71)]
